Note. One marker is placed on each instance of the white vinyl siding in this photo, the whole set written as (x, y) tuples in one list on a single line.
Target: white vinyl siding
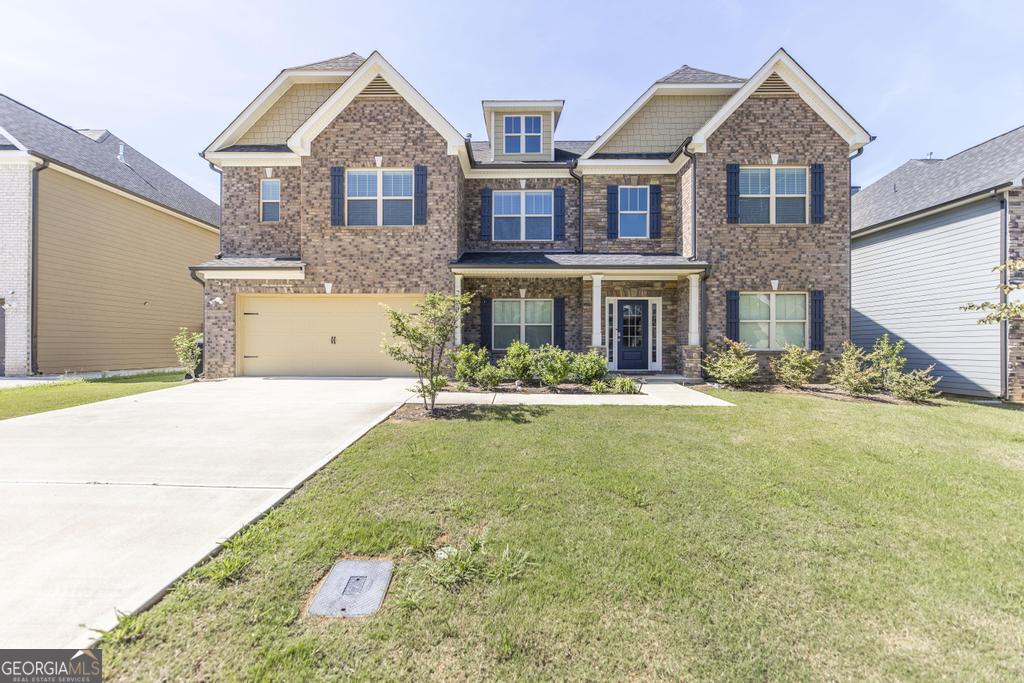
[(911, 281)]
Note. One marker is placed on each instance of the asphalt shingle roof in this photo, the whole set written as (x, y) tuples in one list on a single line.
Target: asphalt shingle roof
[(564, 151), (534, 259), (94, 152), (349, 62), (688, 74), (257, 262), (921, 184)]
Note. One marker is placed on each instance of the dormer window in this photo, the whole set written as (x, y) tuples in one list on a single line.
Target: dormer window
[(522, 134)]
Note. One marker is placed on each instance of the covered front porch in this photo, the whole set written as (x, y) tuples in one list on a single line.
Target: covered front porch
[(642, 312)]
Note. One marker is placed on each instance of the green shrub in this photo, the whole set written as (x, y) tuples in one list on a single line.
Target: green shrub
[(188, 350), (468, 360), (916, 385), (518, 362), (489, 377), (731, 363), (599, 386), (852, 372), (624, 385), (886, 359), (795, 366), (551, 364), (589, 367)]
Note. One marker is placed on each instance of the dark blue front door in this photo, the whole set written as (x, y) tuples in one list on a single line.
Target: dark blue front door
[(633, 330)]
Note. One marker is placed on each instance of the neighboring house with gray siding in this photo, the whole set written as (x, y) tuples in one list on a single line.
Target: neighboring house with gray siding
[(926, 238)]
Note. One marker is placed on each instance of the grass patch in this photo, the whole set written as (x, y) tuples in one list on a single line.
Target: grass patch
[(789, 537), (75, 392)]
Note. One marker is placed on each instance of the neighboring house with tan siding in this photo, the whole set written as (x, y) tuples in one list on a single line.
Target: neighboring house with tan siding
[(95, 244), (714, 207)]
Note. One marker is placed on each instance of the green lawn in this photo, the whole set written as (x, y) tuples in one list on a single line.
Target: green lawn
[(791, 537), (75, 392)]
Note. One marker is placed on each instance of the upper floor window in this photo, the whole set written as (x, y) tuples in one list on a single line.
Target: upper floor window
[(270, 201), (379, 197), (524, 215), (522, 134), (531, 321), (634, 211), (772, 195), (770, 321)]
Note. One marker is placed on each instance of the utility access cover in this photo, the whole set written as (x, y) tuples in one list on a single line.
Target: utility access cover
[(353, 588)]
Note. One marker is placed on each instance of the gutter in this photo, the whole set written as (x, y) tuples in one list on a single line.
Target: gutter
[(34, 296), (685, 149), (573, 163)]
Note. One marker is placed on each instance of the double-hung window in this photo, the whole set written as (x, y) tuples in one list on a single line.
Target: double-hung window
[(270, 201), (379, 197), (773, 195), (531, 321), (770, 321), (524, 215), (522, 134), (634, 216)]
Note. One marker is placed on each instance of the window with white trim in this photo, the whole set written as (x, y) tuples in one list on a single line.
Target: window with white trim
[(531, 321), (770, 321), (270, 201), (773, 195), (522, 134), (523, 215), (634, 216), (379, 197)]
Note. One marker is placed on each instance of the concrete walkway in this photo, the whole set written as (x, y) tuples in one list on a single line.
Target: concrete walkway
[(104, 505), (657, 391), (35, 380)]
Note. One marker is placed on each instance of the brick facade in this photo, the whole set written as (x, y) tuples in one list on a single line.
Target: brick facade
[(801, 257), (16, 266), (471, 214), (595, 215), (242, 232), (1015, 329)]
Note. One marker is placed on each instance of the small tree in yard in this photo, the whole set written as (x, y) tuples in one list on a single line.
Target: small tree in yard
[(998, 312), (731, 363), (795, 366), (188, 350), (423, 338)]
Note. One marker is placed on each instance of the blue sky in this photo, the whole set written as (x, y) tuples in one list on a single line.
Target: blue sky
[(169, 76)]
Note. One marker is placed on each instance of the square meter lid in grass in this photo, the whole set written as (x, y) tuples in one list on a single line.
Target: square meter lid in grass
[(353, 588)]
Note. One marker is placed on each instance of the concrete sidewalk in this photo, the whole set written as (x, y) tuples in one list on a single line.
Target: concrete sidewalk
[(656, 391)]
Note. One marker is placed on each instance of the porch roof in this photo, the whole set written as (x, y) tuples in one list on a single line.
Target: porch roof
[(570, 263)]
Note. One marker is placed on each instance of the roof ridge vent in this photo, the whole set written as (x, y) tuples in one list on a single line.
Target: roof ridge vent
[(774, 86), (378, 88)]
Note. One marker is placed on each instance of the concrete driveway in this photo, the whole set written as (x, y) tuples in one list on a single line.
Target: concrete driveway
[(104, 505)]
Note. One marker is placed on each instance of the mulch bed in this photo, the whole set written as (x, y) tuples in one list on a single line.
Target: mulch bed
[(511, 388), (826, 391)]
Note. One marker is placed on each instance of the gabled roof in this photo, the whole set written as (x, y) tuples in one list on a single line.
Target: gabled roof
[(921, 184), (374, 66), (806, 87), (95, 153), (689, 74), (349, 62)]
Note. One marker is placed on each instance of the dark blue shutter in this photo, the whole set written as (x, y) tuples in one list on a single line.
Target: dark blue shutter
[(420, 200), (486, 207), (732, 314), (817, 193), (559, 213), (337, 195), (485, 323), (613, 212), (655, 211), (559, 339), (818, 320), (732, 193)]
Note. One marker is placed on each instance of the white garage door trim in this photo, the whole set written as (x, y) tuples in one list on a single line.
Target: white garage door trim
[(316, 335)]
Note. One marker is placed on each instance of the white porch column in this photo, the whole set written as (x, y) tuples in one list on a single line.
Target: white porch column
[(458, 329), (595, 334), (694, 326)]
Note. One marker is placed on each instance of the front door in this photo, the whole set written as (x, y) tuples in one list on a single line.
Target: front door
[(633, 330)]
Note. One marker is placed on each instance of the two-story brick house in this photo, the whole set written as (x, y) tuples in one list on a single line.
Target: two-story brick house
[(714, 206)]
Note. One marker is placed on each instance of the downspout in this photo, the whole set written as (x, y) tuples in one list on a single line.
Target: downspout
[(573, 163), (685, 149), (220, 190), (34, 296), (1004, 325), (849, 237)]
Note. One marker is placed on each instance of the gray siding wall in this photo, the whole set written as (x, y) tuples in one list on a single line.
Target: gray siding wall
[(911, 280)]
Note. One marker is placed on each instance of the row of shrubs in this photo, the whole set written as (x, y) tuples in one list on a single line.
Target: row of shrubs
[(547, 365), (858, 372)]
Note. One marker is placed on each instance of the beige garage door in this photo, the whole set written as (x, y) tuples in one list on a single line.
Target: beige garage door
[(318, 336)]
